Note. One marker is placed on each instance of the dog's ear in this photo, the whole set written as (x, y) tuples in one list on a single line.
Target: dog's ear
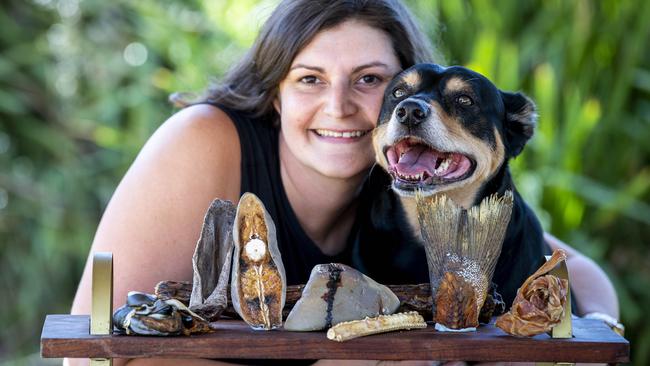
[(521, 119)]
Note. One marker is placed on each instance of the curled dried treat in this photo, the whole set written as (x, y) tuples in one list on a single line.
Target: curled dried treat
[(539, 304), (258, 286), (380, 324)]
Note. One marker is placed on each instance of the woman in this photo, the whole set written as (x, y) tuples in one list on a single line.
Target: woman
[(290, 123)]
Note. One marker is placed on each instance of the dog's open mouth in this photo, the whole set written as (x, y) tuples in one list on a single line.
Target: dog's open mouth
[(414, 164)]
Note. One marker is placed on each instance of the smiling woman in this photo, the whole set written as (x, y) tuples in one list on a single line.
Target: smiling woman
[(291, 122), (327, 105)]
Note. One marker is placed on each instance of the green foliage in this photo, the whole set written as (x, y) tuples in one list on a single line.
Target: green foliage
[(83, 85), (587, 66)]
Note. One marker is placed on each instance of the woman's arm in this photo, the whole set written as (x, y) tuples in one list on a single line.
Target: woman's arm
[(590, 285), (154, 218)]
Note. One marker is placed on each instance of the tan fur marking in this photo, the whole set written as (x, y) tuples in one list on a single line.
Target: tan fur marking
[(412, 79), (455, 84), (378, 139), (501, 152)]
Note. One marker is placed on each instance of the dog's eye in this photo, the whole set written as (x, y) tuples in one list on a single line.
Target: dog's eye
[(464, 100), (399, 92)]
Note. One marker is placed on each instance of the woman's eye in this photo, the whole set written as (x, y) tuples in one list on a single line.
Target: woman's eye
[(399, 92), (310, 79), (464, 100), (370, 79)]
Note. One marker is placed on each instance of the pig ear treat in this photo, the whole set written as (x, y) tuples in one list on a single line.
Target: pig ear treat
[(258, 285), (539, 304)]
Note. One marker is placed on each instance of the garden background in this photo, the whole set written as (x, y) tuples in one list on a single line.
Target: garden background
[(84, 83)]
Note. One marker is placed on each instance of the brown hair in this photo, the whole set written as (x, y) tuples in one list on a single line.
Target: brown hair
[(252, 84)]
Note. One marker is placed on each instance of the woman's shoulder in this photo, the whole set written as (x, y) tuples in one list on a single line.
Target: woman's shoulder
[(202, 131), (201, 123), (197, 141)]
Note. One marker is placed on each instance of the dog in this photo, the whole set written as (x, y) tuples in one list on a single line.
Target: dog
[(445, 130)]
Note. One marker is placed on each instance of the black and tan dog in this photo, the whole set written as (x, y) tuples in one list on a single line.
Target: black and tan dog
[(447, 130)]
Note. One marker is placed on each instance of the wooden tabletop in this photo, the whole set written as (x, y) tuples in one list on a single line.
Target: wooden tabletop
[(593, 342)]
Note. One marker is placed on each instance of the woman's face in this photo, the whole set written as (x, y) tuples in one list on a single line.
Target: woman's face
[(330, 100)]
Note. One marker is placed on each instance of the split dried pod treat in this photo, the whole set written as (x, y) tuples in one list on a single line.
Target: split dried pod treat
[(336, 293), (539, 304), (380, 324), (258, 285), (462, 248)]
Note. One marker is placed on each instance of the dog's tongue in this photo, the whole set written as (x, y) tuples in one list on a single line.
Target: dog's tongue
[(416, 160)]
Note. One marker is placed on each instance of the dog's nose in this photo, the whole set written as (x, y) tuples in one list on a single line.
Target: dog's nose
[(412, 112)]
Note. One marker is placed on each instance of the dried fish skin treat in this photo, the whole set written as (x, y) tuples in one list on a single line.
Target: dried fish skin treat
[(462, 248), (381, 324), (456, 304), (258, 285), (539, 304), (337, 293)]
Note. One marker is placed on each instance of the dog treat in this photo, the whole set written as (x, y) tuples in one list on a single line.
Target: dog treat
[(412, 298), (493, 305), (145, 314), (212, 260), (539, 304), (380, 324), (258, 286), (336, 293), (462, 248), (456, 304)]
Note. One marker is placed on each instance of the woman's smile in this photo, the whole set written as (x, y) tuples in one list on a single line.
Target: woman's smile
[(340, 136)]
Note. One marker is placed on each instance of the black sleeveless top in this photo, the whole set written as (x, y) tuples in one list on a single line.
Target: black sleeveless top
[(260, 174)]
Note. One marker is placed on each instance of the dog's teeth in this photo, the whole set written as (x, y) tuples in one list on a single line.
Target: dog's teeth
[(418, 176), (443, 166)]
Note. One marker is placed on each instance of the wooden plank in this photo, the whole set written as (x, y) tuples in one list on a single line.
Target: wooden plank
[(593, 342)]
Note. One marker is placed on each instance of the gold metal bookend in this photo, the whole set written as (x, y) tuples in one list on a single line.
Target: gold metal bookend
[(565, 328), (102, 300)]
